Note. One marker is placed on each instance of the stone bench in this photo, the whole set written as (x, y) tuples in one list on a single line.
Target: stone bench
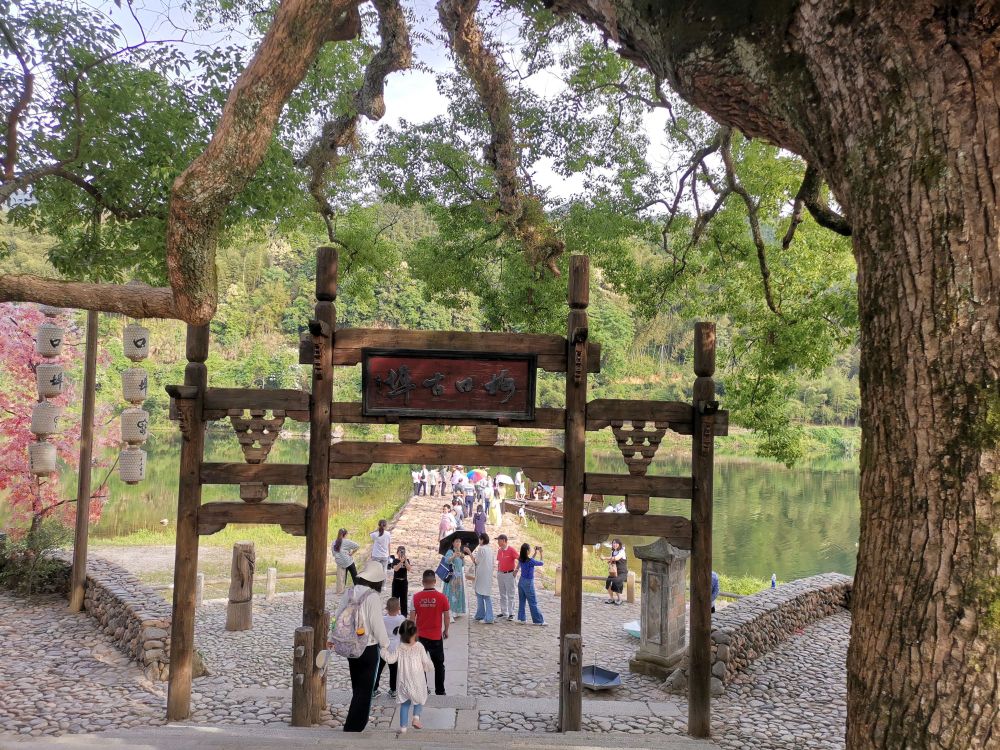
[(135, 617), (756, 624)]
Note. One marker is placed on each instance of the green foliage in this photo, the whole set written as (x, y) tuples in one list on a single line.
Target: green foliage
[(26, 562)]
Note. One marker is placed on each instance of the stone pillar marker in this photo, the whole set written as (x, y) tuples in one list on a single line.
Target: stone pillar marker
[(663, 621)]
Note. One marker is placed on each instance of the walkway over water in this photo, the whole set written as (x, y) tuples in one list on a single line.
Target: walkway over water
[(59, 674)]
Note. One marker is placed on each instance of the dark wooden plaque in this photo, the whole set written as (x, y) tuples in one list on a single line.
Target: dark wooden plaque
[(429, 383)]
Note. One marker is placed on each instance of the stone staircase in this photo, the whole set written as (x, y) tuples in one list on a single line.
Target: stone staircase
[(233, 737)]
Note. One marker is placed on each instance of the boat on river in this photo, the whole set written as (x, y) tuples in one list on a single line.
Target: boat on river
[(541, 510)]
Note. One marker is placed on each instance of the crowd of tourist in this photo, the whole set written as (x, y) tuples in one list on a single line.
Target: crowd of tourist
[(409, 636)]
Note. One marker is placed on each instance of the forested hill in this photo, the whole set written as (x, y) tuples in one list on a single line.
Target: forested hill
[(266, 290)]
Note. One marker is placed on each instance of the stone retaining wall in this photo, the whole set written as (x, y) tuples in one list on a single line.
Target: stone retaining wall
[(135, 617), (754, 625)]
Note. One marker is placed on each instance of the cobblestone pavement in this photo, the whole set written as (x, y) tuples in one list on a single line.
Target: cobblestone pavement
[(59, 673)]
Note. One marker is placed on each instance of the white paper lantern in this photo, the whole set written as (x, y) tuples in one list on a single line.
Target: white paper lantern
[(49, 379), (49, 311), (49, 341), (132, 465), (42, 458), (136, 342), (45, 418), (135, 426), (135, 385)]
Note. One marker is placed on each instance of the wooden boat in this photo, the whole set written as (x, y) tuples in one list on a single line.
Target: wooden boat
[(541, 510)]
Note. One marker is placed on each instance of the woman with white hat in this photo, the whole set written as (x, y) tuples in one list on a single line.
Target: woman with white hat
[(365, 667)]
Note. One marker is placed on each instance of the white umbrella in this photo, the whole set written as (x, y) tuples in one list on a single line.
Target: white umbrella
[(504, 479)]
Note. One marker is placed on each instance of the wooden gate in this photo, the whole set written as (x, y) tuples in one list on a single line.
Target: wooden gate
[(417, 378)]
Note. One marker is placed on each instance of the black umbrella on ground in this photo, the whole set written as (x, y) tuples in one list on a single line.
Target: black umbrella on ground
[(469, 539)]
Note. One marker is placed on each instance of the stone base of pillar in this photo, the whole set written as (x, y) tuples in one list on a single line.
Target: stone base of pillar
[(655, 666)]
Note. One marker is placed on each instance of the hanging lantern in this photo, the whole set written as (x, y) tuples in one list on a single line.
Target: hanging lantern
[(49, 311), (49, 379), (132, 465), (136, 342), (45, 418), (42, 458), (135, 426), (49, 340), (135, 385)]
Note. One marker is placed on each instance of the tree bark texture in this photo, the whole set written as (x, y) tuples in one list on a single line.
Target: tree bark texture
[(203, 191), (239, 610), (134, 300), (898, 104)]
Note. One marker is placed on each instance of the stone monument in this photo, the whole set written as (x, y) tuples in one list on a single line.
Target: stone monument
[(663, 623)]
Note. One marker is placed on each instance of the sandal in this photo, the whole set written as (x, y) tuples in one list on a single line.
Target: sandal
[(416, 723)]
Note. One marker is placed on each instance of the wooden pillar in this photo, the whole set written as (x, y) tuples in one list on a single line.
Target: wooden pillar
[(318, 507), (630, 587), (239, 610), (700, 637), (189, 400), (571, 621), (78, 577), (302, 667), (319, 696)]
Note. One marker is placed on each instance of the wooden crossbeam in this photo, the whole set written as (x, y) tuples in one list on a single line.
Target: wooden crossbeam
[(542, 464), (599, 526), (679, 416), (349, 412), (219, 473), (213, 517), (650, 486), (219, 401), (550, 349)]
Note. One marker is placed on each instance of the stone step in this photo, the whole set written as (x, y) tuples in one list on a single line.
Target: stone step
[(216, 737)]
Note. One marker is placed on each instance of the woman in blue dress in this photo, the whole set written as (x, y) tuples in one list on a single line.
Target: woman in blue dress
[(455, 588)]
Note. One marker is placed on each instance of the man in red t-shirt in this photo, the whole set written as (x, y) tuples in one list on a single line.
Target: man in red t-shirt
[(506, 574), (430, 613)]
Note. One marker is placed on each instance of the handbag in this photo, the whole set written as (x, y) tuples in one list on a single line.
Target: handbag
[(445, 571)]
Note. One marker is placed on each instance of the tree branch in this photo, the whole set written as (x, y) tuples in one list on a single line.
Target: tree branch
[(523, 214), (204, 190), (133, 300), (758, 240), (394, 54), (824, 215), (27, 91), (119, 212)]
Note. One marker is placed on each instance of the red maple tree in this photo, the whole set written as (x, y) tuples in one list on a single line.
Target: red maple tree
[(34, 498)]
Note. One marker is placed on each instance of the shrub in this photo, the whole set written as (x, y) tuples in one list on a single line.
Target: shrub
[(27, 565)]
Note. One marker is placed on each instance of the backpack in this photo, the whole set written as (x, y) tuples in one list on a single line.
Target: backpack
[(344, 634)]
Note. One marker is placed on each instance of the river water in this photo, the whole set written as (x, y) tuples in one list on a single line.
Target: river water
[(768, 518)]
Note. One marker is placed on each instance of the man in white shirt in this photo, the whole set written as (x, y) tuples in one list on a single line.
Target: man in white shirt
[(380, 544), (415, 475), (485, 559), (433, 479)]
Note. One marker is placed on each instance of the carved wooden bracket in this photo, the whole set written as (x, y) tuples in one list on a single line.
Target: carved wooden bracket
[(256, 435), (637, 443)]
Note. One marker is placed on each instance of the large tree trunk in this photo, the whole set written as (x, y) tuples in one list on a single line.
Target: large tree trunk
[(897, 103)]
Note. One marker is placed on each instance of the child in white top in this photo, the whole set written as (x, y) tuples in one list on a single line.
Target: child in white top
[(411, 680), (392, 619)]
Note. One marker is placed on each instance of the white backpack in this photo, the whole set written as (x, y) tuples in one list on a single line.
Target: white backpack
[(346, 639)]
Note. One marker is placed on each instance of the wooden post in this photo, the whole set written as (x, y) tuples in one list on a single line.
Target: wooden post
[(703, 438), (302, 668), (272, 584), (199, 590), (78, 578), (571, 620), (189, 410), (558, 584), (319, 697), (630, 587), (318, 507), (239, 610)]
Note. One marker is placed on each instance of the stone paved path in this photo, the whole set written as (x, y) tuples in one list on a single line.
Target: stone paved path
[(59, 674)]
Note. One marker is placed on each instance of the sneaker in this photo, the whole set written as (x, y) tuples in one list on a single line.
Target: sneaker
[(542, 624), (377, 693), (522, 622), (392, 693), (510, 618)]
